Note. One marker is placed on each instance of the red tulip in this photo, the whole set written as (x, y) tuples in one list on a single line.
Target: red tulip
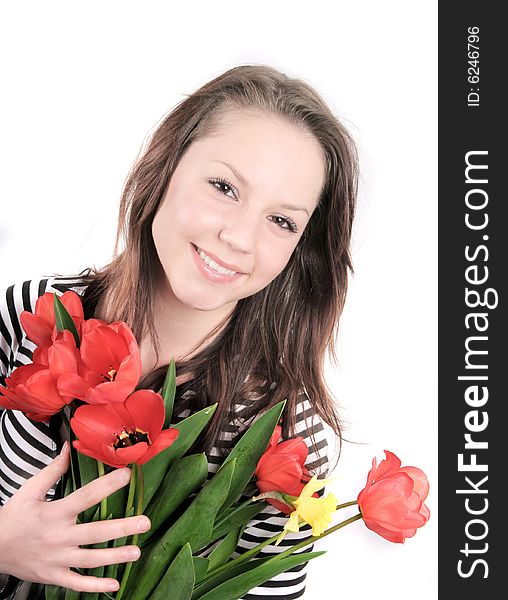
[(392, 502), (40, 327), (110, 365), (33, 388), (281, 468), (120, 433)]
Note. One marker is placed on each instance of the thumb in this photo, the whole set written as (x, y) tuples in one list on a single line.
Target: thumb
[(38, 485)]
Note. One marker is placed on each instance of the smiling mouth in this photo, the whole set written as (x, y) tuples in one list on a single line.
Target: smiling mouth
[(213, 264)]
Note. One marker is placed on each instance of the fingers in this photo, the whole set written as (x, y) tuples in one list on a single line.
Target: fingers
[(38, 485), (84, 583), (89, 559), (104, 531), (95, 491)]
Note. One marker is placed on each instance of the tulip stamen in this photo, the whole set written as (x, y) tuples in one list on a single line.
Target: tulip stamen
[(111, 374), (130, 438)]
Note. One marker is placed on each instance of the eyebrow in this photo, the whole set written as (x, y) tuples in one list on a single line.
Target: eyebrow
[(246, 184)]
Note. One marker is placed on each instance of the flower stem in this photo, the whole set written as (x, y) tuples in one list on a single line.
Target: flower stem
[(104, 501), (130, 496), (140, 484), (346, 504), (314, 538), (254, 551)]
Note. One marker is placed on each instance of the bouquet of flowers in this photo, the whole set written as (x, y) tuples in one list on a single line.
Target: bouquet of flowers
[(86, 371)]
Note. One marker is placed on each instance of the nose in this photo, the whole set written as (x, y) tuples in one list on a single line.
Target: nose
[(241, 231)]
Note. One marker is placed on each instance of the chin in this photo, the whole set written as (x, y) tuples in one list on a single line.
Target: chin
[(200, 301)]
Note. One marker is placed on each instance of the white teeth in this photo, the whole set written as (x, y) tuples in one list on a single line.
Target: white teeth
[(214, 265)]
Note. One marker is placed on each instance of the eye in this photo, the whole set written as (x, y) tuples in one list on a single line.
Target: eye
[(285, 223), (224, 186)]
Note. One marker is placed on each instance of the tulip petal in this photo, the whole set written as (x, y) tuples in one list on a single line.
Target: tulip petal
[(391, 464), (63, 357), (71, 384), (421, 484), (276, 435), (37, 330), (95, 424), (147, 410), (390, 502), (163, 441), (132, 454), (295, 447), (388, 534), (294, 489)]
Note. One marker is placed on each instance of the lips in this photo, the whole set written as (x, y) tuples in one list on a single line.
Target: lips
[(230, 266)]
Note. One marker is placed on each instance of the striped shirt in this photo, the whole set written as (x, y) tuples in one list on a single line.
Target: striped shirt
[(27, 446)]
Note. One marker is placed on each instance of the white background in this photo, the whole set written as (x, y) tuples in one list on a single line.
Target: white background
[(83, 84)]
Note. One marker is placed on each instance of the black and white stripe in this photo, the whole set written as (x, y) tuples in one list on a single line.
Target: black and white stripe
[(26, 446)]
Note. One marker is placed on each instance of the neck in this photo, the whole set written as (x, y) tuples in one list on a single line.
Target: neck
[(181, 330)]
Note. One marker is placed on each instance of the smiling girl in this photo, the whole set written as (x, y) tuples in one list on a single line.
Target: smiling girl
[(235, 224)]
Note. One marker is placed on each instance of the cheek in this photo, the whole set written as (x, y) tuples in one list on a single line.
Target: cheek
[(193, 215), (273, 258)]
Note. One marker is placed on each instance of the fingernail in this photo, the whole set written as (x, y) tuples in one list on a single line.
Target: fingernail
[(114, 586), (144, 524), (125, 474), (134, 553), (64, 448)]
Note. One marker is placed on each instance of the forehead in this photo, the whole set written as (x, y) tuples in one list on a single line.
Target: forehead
[(271, 153)]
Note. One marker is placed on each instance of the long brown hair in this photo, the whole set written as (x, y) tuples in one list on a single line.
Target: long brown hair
[(274, 344)]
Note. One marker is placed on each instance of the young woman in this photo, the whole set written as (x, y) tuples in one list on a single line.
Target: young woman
[(235, 224)]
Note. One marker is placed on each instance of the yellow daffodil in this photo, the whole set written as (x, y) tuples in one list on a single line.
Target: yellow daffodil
[(317, 512)]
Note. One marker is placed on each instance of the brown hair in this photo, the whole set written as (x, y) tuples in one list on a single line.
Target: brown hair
[(273, 346)]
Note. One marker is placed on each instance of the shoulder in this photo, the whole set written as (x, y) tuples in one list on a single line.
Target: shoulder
[(316, 433), (308, 424), (23, 295)]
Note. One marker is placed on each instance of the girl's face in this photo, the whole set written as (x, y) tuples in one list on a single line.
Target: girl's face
[(235, 208)]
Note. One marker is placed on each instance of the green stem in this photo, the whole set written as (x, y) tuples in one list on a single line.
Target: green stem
[(240, 559), (254, 551), (104, 501), (130, 496), (140, 481), (314, 538), (346, 504)]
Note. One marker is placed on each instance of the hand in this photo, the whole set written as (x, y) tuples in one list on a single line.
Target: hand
[(41, 540)]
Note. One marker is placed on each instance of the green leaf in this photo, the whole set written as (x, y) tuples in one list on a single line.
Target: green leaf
[(118, 501), (236, 516), (184, 477), (249, 450), (189, 429), (87, 472), (169, 391), (210, 583), (178, 581), (223, 551), (97, 571), (200, 567), (52, 592), (68, 487), (63, 319), (236, 587), (72, 595), (195, 526), (112, 570)]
